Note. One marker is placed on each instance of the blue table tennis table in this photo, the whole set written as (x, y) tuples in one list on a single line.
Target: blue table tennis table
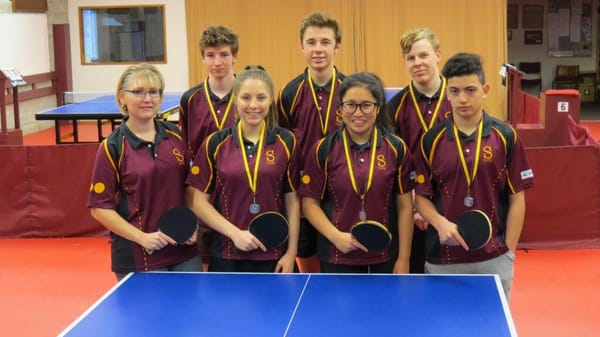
[(298, 305), (103, 108)]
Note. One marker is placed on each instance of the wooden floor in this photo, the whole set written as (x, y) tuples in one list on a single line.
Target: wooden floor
[(45, 284)]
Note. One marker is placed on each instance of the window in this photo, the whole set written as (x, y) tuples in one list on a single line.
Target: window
[(122, 34)]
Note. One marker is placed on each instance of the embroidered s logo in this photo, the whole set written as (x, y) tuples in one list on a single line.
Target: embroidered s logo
[(179, 157), (488, 154), (270, 156), (381, 163)]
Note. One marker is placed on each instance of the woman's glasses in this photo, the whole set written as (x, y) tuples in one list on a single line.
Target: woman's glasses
[(349, 108), (141, 93)]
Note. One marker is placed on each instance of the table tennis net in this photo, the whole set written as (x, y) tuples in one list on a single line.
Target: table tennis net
[(82, 96)]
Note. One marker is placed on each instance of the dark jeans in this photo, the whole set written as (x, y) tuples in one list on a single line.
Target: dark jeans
[(244, 266), (417, 251), (192, 265), (380, 268)]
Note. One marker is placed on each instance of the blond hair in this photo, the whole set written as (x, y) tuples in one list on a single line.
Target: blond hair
[(137, 75), (409, 38)]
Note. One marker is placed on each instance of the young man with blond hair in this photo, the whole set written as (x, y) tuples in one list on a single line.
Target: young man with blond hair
[(417, 107)]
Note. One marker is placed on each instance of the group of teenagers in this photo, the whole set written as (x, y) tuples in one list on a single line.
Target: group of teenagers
[(326, 152)]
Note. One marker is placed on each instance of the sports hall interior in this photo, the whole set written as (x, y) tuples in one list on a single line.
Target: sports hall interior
[(55, 257)]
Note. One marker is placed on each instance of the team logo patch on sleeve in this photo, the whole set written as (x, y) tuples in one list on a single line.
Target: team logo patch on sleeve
[(527, 174), (306, 179), (99, 188), (417, 178)]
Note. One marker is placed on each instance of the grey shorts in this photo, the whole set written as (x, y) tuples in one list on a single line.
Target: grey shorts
[(502, 265)]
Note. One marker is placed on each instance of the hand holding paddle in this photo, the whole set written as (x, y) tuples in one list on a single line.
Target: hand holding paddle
[(372, 235), (472, 230), (178, 223), (269, 228), (475, 227), (244, 241), (155, 241), (346, 243)]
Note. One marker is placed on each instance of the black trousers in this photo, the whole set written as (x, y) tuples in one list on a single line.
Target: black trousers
[(380, 268), (417, 251)]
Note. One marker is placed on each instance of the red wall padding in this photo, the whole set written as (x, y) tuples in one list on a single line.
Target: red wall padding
[(44, 189), (563, 209)]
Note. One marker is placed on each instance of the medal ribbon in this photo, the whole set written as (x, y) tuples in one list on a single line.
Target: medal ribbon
[(371, 164), (437, 106), (252, 176), (212, 107), (325, 122), (463, 161)]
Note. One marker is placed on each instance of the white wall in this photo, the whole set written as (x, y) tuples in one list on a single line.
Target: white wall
[(519, 52), (5, 6), (105, 77), (24, 41)]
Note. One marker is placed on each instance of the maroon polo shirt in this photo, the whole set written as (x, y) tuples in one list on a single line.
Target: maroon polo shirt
[(326, 178), (218, 169), (141, 182), (298, 112), (406, 116), (196, 119), (503, 170)]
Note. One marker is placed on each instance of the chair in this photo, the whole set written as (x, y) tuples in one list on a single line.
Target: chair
[(566, 77), (532, 77)]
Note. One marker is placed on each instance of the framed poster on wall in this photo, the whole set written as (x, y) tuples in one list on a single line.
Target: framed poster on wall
[(533, 16), (512, 16), (569, 28), (534, 37)]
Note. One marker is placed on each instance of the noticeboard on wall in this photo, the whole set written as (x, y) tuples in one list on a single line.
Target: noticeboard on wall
[(31, 6), (570, 28)]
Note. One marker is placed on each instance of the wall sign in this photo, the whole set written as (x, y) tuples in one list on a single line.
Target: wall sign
[(570, 28)]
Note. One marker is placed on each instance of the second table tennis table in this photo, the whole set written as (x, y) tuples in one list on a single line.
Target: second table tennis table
[(299, 305), (99, 109)]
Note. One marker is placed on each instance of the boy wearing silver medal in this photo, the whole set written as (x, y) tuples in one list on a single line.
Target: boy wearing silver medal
[(471, 161)]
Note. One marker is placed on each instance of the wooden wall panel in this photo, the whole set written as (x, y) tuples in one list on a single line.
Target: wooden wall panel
[(461, 26), (268, 30), (371, 30)]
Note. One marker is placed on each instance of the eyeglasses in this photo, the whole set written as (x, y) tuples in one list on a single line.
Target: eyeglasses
[(141, 93), (350, 108)]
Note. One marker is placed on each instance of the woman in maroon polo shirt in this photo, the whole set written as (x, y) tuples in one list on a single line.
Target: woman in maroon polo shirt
[(139, 172), (248, 169), (360, 172)]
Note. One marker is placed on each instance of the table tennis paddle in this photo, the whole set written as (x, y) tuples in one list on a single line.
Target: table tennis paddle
[(179, 223), (270, 228), (475, 227), (371, 234)]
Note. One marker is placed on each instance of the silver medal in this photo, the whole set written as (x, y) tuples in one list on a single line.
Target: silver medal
[(468, 201), (254, 208), (362, 215)]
